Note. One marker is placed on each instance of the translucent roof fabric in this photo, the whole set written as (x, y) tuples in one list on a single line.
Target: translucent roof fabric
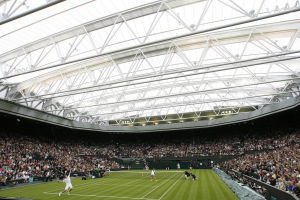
[(106, 60)]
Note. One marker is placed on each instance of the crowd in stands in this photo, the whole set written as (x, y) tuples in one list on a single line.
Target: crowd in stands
[(234, 145), (272, 157), (279, 167), (23, 157)]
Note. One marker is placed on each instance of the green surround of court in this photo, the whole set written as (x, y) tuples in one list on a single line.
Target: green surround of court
[(133, 185)]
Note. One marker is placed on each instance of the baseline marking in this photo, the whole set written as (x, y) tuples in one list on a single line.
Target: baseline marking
[(103, 196), (89, 183), (107, 181)]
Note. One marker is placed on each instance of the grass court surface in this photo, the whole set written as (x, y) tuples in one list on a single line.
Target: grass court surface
[(133, 185)]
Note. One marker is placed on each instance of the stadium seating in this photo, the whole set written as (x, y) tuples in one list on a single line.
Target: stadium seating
[(271, 159)]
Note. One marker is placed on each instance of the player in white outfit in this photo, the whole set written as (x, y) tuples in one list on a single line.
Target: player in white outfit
[(68, 187), (153, 175)]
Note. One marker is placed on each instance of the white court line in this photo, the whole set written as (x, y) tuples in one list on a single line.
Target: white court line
[(60, 187), (126, 184), (108, 189), (123, 185), (142, 172), (169, 189), (82, 185), (83, 195), (129, 183), (158, 186), (107, 181)]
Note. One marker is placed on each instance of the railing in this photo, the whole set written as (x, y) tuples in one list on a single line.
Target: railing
[(273, 191)]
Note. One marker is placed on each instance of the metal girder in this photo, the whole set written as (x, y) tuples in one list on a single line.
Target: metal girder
[(101, 108), (169, 104), (12, 62), (204, 69), (106, 21), (285, 29), (176, 76), (10, 7), (205, 92), (198, 89), (200, 84), (23, 111)]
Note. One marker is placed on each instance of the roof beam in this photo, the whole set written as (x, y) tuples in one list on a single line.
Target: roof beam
[(28, 12), (236, 88), (117, 84), (134, 48), (284, 29), (100, 23)]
